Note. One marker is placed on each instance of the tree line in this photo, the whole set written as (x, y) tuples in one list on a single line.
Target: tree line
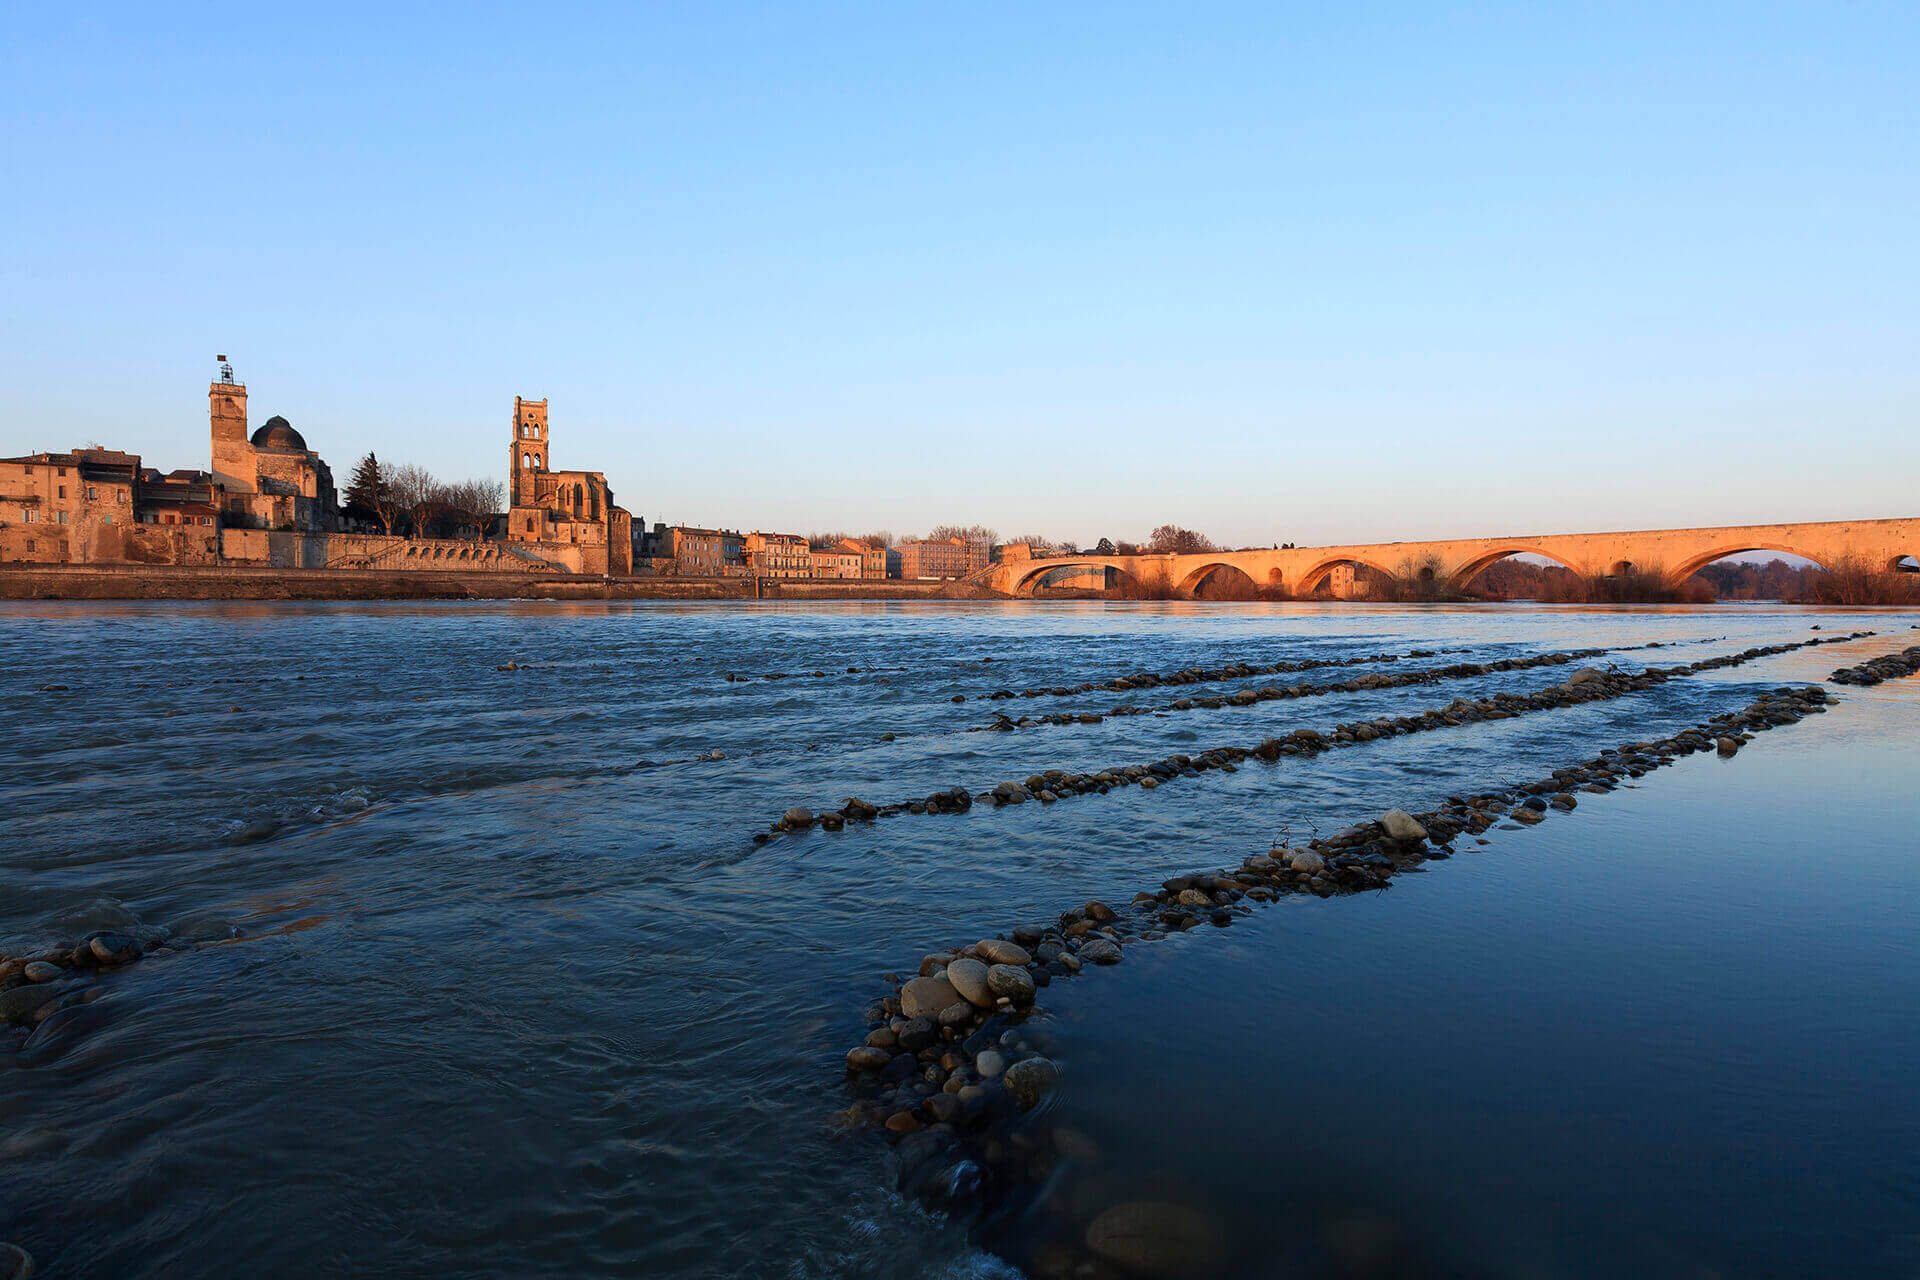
[(409, 499)]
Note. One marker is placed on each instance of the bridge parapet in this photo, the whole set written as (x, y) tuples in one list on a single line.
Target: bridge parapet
[(1672, 555)]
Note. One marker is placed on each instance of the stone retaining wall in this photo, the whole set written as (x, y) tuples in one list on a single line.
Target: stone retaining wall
[(237, 582)]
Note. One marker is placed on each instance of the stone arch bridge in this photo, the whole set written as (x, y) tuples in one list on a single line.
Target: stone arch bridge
[(1671, 555)]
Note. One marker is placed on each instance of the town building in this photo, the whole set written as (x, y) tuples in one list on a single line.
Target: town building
[(941, 557), (778, 555), (694, 552), (99, 506), (568, 517), (844, 559), (879, 562)]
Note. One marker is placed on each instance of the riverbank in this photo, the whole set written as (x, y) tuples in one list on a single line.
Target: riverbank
[(244, 582)]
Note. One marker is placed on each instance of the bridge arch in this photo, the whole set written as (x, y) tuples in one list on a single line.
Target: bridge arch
[(1479, 564), (1695, 563), (1315, 578), (1904, 564), (1227, 578), (1033, 578)]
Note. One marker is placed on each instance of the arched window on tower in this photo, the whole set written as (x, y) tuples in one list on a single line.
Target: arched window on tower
[(576, 499)]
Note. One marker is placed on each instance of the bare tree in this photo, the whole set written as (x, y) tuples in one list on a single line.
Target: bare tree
[(476, 502), (1035, 543), (1172, 538), (416, 493), (966, 533)]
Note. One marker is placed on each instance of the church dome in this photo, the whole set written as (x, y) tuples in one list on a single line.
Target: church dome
[(277, 433)]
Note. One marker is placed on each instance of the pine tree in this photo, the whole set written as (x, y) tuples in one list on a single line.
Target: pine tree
[(370, 493)]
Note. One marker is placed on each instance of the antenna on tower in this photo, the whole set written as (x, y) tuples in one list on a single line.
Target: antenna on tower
[(226, 370)]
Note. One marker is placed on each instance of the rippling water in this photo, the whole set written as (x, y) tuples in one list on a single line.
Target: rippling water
[(505, 1000)]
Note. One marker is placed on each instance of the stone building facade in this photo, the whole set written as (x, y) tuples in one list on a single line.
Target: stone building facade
[(690, 551), (100, 506), (941, 558), (568, 517), (270, 479), (778, 555), (844, 559)]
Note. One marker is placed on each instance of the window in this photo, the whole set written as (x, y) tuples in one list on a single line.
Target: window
[(93, 494), (29, 544), (107, 518), (529, 524), (59, 517), (61, 470), (63, 488), (29, 468), (33, 517), (207, 520)]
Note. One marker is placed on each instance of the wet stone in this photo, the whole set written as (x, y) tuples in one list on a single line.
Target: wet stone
[(927, 996), (970, 978), (998, 951)]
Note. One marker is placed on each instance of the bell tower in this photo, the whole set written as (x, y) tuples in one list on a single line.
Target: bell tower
[(527, 455), (233, 464)]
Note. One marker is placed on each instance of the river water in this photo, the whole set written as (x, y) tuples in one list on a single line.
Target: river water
[(500, 999)]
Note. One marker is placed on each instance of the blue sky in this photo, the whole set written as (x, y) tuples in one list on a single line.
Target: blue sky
[(1279, 273)]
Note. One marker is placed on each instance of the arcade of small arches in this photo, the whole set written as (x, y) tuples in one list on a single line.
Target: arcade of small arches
[(1667, 556)]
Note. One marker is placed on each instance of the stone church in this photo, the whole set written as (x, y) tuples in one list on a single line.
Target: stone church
[(570, 515), (271, 479)]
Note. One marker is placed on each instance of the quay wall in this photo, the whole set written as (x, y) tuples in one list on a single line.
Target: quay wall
[(249, 582)]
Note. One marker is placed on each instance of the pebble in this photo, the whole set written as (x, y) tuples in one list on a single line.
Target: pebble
[(16, 1263), (798, 817), (114, 948), (990, 1064), (957, 1014), (867, 1058), (1100, 951), (258, 829), (42, 971)]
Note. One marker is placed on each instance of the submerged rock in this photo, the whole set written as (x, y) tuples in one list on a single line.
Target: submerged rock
[(1029, 1080), (1157, 1238)]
